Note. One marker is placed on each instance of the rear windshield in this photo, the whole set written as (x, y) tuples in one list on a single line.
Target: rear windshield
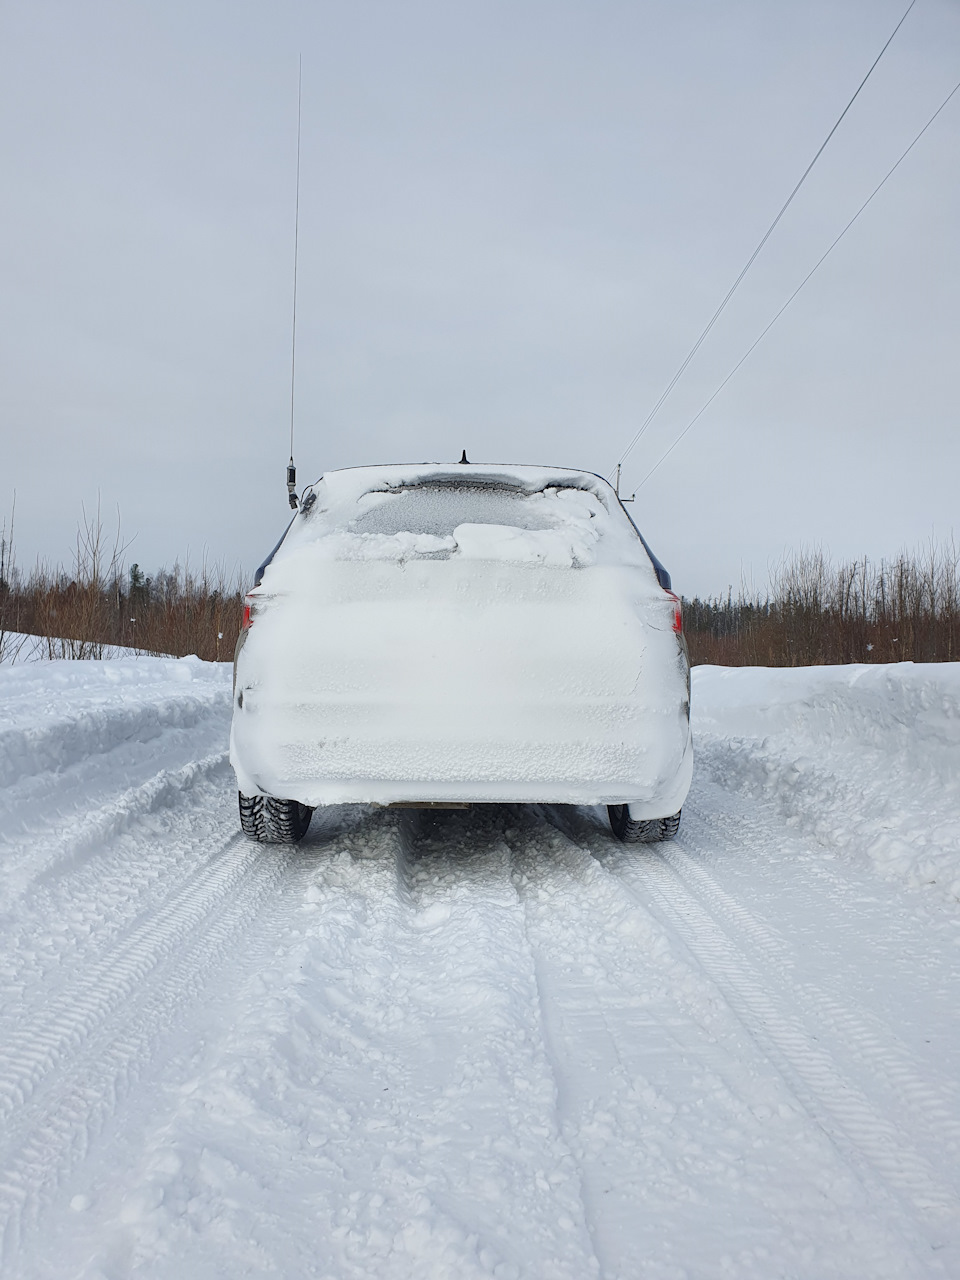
[(438, 509), (488, 518)]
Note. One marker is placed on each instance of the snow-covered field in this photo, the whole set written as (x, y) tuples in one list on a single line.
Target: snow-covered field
[(489, 1042)]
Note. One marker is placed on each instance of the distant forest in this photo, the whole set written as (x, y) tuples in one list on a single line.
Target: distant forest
[(814, 611)]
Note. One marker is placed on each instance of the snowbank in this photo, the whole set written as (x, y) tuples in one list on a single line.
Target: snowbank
[(866, 759), (53, 714)]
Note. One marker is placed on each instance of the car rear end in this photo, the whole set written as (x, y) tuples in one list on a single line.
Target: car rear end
[(398, 652)]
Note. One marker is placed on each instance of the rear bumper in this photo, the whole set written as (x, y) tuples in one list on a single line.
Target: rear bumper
[(319, 765)]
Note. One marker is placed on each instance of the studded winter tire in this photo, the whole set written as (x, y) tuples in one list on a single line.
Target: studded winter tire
[(643, 830), (272, 821)]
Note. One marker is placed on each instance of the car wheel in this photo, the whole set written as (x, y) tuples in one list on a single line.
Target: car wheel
[(272, 821), (643, 830)]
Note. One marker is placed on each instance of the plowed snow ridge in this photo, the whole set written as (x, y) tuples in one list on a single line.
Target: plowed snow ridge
[(490, 1042)]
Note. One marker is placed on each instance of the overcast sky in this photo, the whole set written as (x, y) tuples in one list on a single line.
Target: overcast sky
[(515, 219)]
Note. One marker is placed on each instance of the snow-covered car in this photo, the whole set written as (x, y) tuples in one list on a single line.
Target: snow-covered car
[(433, 634)]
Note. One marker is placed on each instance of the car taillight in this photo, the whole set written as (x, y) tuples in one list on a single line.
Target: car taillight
[(677, 613), (247, 620)]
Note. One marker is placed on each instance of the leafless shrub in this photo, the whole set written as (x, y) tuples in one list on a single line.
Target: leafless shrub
[(74, 610)]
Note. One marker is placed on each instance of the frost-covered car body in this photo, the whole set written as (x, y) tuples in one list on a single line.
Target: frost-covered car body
[(458, 633)]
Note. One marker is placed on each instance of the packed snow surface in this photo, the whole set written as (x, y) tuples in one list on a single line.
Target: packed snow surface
[(489, 1042)]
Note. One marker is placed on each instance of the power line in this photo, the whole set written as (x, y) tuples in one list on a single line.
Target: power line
[(663, 457), (753, 257)]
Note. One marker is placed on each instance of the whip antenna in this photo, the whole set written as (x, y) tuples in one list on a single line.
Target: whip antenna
[(291, 465)]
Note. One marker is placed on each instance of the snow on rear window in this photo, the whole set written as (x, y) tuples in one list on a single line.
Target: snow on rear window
[(438, 510), (540, 520)]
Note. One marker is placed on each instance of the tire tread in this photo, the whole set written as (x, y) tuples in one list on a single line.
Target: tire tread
[(269, 820), (641, 830)]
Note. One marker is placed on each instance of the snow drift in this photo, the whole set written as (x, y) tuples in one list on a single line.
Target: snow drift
[(864, 758)]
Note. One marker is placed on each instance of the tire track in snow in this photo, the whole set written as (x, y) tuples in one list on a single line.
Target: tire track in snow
[(676, 1133), (390, 1062), (125, 1168), (707, 1056), (63, 1070), (881, 1152), (97, 827), (435, 868), (523, 848), (876, 1045), (843, 1110), (131, 852)]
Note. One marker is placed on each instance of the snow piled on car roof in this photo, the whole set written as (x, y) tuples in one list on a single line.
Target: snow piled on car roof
[(520, 515)]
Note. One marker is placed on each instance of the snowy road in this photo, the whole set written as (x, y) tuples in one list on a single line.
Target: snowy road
[(490, 1042)]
